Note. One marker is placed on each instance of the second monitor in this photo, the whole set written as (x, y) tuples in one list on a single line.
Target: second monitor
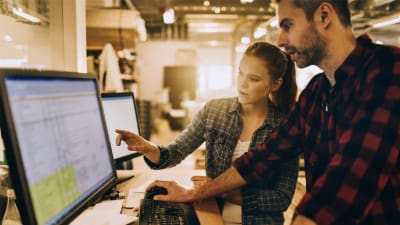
[(120, 112)]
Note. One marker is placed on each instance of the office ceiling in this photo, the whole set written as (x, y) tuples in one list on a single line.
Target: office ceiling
[(198, 19), (225, 21)]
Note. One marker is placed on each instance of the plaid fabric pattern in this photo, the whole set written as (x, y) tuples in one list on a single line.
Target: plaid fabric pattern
[(349, 135), (219, 124)]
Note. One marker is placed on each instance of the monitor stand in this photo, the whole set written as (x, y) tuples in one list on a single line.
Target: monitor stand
[(123, 175), (113, 193), (124, 171), (125, 165)]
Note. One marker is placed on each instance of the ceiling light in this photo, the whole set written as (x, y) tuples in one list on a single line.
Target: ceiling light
[(213, 43), (240, 48), (245, 40), (386, 22), (19, 46), (169, 16), (21, 13), (246, 1), (273, 22), (199, 27), (378, 3), (206, 3), (7, 38), (260, 31), (217, 10)]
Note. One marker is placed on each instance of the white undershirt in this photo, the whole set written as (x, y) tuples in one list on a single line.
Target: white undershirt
[(232, 213)]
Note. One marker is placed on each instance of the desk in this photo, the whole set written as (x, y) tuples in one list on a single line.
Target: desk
[(207, 210)]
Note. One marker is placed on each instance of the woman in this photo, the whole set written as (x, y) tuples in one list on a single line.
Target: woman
[(229, 127)]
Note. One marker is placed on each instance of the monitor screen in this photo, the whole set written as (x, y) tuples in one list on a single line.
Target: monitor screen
[(121, 113), (56, 143)]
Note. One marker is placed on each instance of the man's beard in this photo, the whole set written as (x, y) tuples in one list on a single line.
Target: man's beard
[(312, 49)]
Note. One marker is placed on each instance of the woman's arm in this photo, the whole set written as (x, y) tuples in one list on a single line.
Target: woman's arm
[(184, 144)]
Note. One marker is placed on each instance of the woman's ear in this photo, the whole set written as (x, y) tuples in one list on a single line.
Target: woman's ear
[(276, 84)]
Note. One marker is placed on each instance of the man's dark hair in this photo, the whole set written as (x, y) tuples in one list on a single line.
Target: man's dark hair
[(341, 7)]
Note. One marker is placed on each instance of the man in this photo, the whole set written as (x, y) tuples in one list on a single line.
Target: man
[(346, 122)]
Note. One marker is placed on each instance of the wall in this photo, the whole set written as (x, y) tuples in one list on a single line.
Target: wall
[(23, 45), (59, 46), (152, 56)]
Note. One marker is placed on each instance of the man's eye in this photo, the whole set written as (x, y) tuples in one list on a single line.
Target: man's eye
[(285, 27)]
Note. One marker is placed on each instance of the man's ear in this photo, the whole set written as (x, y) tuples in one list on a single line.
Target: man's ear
[(324, 13), (323, 16)]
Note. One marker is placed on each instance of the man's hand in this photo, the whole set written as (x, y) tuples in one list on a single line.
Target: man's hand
[(225, 182), (176, 193)]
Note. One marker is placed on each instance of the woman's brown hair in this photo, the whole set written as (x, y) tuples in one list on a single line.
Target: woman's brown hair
[(279, 65)]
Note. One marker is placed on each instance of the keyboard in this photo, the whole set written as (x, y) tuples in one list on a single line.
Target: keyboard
[(153, 212)]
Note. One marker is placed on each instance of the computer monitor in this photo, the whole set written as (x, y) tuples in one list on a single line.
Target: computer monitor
[(56, 142), (120, 112)]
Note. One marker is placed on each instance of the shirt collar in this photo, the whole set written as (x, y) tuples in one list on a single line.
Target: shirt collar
[(273, 118), (353, 61), (235, 106)]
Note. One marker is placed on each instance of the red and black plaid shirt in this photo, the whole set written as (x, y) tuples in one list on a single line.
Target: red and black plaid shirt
[(350, 137)]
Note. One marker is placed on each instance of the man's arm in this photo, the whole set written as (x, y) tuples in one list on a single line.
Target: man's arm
[(227, 181)]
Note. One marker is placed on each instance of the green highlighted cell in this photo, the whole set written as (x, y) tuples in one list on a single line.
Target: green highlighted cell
[(52, 194)]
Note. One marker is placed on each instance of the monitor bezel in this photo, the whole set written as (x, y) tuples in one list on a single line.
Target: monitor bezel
[(13, 152), (125, 94)]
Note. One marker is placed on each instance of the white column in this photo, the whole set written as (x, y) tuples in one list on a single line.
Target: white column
[(68, 35)]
